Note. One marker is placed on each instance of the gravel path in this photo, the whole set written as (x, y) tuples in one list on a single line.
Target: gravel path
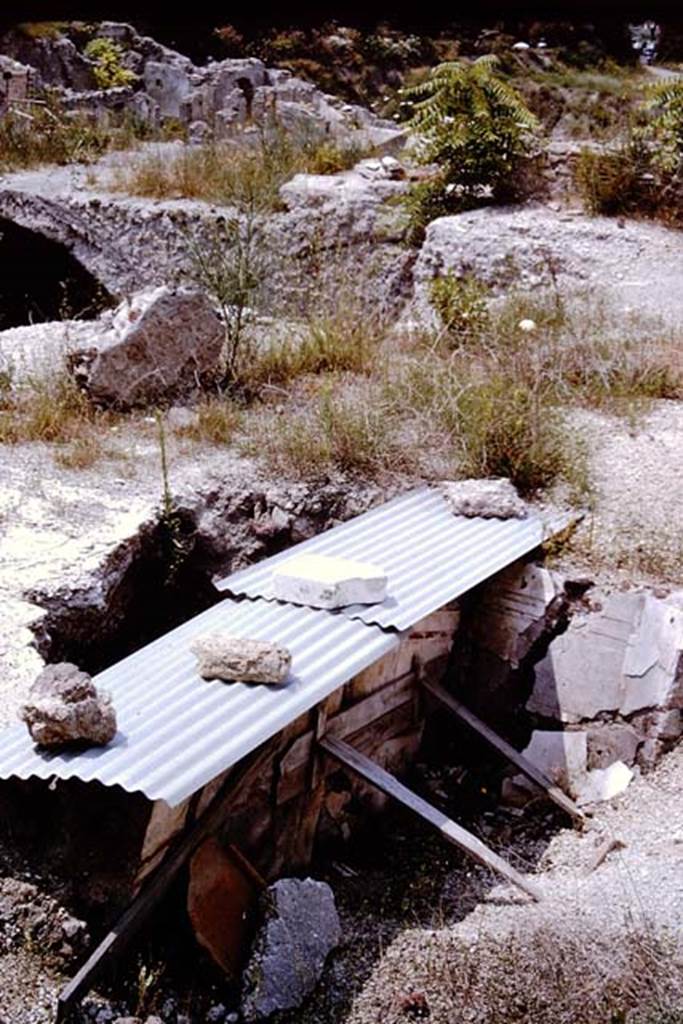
[(633, 531)]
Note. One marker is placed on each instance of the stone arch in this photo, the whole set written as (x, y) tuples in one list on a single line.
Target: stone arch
[(41, 280)]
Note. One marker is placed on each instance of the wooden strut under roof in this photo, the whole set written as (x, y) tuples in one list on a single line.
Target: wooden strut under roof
[(154, 889), (452, 832), (495, 741)]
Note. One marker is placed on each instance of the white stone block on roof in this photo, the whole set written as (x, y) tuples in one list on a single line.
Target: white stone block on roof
[(323, 581)]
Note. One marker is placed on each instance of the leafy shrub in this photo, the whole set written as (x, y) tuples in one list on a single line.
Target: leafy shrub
[(474, 126), (228, 262), (109, 71), (461, 305), (665, 126)]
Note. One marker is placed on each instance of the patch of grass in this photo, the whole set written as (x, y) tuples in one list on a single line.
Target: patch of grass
[(461, 305), (493, 423), (51, 410), (340, 341), (550, 973), (218, 421), (336, 433), (45, 133), (608, 183), (230, 174), (81, 453)]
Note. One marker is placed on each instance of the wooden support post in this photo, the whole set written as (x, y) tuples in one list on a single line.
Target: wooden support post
[(453, 833), (503, 747), (154, 888)]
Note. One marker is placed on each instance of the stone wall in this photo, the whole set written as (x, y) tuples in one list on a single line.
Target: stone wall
[(329, 225), (588, 684), (14, 83)]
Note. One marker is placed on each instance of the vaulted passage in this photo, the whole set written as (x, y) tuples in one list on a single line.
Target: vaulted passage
[(40, 280)]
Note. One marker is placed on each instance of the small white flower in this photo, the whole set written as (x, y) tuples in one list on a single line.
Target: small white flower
[(527, 325)]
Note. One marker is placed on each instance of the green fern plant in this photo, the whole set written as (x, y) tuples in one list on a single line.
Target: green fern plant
[(665, 128), (474, 127)]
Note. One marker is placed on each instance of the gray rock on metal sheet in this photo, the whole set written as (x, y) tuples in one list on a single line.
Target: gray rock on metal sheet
[(235, 659), (64, 707), (486, 499)]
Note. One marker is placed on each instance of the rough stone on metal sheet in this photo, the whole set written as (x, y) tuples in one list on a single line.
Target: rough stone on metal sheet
[(484, 499), (236, 659), (300, 927), (321, 581), (64, 707), (161, 343)]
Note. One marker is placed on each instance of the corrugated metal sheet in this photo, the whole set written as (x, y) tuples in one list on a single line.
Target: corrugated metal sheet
[(177, 732), (430, 555)]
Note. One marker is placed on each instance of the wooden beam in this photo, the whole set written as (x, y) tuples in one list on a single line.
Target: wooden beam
[(453, 833), (525, 766), (154, 888)]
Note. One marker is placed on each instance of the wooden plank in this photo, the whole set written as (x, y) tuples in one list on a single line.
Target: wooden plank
[(525, 766), (155, 887), (453, 833), (368, 738), (353, 718)]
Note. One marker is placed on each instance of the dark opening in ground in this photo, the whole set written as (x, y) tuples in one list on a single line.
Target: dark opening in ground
[(41, 280)]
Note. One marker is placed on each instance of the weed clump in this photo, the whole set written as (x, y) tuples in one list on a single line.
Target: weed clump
[(51, 410), (461, 305)]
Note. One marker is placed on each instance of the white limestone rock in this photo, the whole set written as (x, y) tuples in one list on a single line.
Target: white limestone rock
[(626, 657), (321, 581), (236, 659), (604, 783)]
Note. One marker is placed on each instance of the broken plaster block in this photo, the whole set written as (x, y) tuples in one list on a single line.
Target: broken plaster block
[(604, 783), (235, 659), (321, 581), (562, 756)]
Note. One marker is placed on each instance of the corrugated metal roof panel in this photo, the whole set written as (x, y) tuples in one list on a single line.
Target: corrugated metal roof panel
[(430, 555), (177, 732)]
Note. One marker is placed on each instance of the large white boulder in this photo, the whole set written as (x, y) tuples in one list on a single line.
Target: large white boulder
[(624, 657), (321, 581)]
